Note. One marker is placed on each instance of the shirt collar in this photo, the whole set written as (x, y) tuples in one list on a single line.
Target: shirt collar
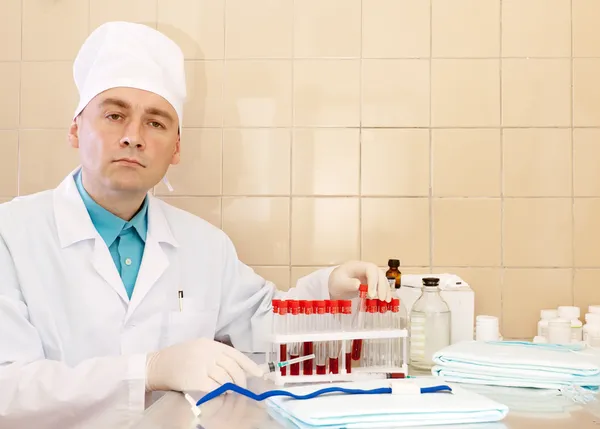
[(108, 225)]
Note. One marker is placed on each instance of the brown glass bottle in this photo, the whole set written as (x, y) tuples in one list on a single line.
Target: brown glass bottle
[(393, 274)]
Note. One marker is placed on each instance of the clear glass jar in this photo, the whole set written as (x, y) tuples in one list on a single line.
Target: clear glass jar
[(429, 325)]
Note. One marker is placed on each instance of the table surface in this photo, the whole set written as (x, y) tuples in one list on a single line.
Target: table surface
[(529, 408)]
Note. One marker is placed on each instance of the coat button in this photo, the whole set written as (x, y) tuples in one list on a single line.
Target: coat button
[(128, 261)]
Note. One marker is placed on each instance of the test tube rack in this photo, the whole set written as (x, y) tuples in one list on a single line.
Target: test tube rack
[(345, 338)]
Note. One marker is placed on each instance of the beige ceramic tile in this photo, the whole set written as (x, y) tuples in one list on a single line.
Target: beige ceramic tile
[(9, 144), (327, 28), (208, 208), (199, 172), (10, 77), (325, 231), (465, 93), (395, 29), (527, 291), (299, 272), (536, 92), (395, 93), (586, 92), (586, 32), (395, 162), (259, 228), (48, 95), (257, 93), (204, 104), (256, 161), (467, 232), (487, 285), (5, 200), (45, 159), (585, 289), (327, 93), (325, 161), (142, 11), (10, 30), (198, 26), (586, 232), (278, 275), (586, 153), (537, 162), (537, 232), (536, 28), (466, 162), (53, 30), (466, 28), (395, 228), (259, 28)]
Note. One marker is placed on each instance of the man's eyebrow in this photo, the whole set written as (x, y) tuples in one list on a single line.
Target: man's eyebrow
[(160, 112), (115, 102)]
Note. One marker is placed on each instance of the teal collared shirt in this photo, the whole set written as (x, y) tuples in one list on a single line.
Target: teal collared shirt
[(125, 240)]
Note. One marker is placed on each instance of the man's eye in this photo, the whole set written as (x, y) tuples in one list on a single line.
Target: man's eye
[(155, 124), (114, 116)]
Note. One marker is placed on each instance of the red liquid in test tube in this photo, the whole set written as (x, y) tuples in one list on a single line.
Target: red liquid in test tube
[(346, 326), (321, 347), (282, 329), (334, 346), (360, 320), (294, 347), (307, 365)]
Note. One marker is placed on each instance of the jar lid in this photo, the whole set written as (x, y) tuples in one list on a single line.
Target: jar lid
[(549, 314)]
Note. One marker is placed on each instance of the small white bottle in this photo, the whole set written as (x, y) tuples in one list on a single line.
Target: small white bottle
[(545, 317), (594, 309), (592, 327), (572, 313), (559, 331)]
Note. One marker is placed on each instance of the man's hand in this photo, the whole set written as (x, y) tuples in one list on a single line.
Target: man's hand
[(198, 365), (345, 280)]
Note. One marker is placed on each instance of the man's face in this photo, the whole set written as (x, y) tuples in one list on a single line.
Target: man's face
[(127, 138)]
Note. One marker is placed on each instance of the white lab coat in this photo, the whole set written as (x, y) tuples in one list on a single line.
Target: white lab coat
[(72, 345)]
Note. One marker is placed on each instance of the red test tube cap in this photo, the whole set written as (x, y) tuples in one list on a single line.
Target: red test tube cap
[(363, 288)]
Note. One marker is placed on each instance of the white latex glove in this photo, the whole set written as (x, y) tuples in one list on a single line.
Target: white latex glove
[(198, 365), (345, 280)]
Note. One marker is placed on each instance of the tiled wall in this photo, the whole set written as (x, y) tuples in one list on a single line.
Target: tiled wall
[(457, 135)]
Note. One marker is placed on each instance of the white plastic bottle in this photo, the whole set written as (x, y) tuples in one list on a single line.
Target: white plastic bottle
[(545, 317), (594, 309), (429, 325), (591, 328), (572, 313)]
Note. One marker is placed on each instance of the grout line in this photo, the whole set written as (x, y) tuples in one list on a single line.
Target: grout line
[(360, 137), (20, 106), (502, 196), (404, 197), (572, 166), (292, 141), (431, 182), (223, 75)]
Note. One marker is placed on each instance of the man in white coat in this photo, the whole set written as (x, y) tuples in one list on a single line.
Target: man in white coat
[(107, 293)]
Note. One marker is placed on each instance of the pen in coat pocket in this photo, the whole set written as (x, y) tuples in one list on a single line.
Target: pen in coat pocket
[(180, 295)]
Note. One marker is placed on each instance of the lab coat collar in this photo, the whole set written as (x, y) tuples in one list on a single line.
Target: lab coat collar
[(74, 224)]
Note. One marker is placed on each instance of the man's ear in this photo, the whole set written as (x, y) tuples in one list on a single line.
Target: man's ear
[(74, 134), (177, 155)]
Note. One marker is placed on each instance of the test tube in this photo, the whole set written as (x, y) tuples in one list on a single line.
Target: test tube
[(369, 354), (274, 322), (346, 319), (334, 347), (396, 344), (384, 343), (293, 328), (282, 329), (307, 366), (321, 346), (360, 316)]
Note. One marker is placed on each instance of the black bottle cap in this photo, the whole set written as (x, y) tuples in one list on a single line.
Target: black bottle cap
[(431, 281), (393, 263)]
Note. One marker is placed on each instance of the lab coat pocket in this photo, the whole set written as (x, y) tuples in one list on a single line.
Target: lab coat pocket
[(194, 320)]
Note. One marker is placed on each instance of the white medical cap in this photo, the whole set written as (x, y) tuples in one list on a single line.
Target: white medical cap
[(125, 54)]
